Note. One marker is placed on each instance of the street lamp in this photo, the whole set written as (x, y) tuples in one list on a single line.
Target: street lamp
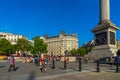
[(65, 63), (98, 66), (53, 63), (53, 60), (80, 63)]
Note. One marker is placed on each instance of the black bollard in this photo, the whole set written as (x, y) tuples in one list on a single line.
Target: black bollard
[(53, 63), (98, 66), (80, 65), (65, 65), (117, 66)]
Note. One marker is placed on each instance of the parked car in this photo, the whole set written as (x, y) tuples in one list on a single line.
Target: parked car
[(104, 60), (115, 60), (109, 60)]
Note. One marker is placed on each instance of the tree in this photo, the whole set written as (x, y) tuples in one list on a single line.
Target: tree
[(82, 51), (74, 52), (5, 46), (14, 48), (23, 45), (88, 49), (88, 46), (39, 45)]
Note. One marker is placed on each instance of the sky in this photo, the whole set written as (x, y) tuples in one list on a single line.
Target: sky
[(38, 17)]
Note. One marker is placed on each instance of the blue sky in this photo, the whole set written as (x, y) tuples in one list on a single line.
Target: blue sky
[(38, 17)]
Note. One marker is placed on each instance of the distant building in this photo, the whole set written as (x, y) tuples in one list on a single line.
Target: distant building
[(57, 45), (31, 42), (11, 37), (118, 44)]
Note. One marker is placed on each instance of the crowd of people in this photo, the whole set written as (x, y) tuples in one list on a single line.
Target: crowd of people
[(41, 61)]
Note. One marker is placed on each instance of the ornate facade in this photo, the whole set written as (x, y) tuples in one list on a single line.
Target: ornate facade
[(57, 45)]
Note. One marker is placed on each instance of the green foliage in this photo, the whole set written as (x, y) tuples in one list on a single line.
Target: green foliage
[(14, 48), (82, 51), (39, 46), (74, 52), (22, 45), (88, 49), (88, 46), (33, 50), (5, 46)]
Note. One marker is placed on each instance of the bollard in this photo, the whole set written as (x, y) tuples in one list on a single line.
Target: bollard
[(65, 65), (80, 65), (53, 63), (117, 66), (98, 66)]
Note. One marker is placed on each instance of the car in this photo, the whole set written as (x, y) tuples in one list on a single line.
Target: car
[(109, 60), (115, 60), (104, 60)]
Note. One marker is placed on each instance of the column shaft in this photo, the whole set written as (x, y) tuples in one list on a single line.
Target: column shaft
[(104, 10)]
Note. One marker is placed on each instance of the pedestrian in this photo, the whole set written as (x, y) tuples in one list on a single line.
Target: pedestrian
[(36, 60), (111, 61), (67, 60), (40, 60), (43, 68), (50, 61), (12, 63)]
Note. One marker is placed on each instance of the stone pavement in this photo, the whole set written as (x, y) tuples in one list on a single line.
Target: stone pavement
[(89, 76), (32, 72)]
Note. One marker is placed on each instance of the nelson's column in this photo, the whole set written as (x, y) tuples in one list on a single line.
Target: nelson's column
[(104, 33)]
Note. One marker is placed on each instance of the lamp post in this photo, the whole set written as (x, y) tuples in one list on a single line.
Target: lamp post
[(53, 60), (117, 65), (65, 66), (65, 63), (80, 64), (53, 63), (98, 66)]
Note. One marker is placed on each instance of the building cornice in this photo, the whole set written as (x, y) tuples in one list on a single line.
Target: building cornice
[(105, 25)]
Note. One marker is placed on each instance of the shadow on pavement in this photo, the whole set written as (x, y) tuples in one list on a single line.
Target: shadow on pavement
[(61, 68), (32, 76), (93, 70), (16, 68), (75, 69)]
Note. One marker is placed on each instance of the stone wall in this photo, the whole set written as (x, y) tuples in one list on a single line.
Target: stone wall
[(70, 58)]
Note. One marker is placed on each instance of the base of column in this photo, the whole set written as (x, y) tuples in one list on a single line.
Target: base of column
[(103, 51)]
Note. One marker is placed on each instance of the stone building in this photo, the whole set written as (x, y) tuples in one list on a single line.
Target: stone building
[(57, 45), (118, 44), (11, 37)]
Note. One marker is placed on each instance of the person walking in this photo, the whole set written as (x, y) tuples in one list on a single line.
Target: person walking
[(43, 68), (37, 60), (12, 63), (40, 60), (111, 61)]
